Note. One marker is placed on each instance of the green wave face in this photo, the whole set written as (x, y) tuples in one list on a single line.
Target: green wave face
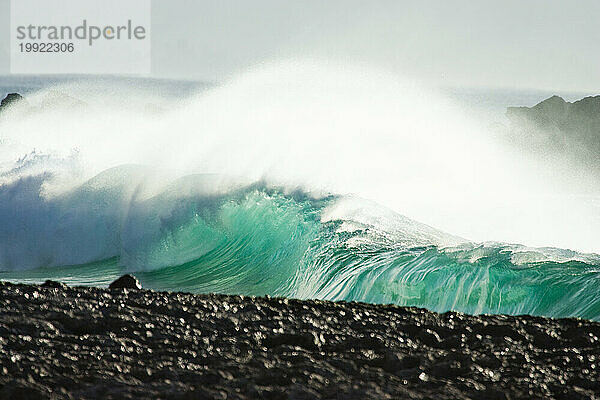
[(267, 243)]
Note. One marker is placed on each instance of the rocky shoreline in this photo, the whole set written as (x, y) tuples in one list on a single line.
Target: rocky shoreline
[(59, 342)]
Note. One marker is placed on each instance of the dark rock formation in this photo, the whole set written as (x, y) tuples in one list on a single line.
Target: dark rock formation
[(10, 99), (555, 112), (566, 124), (90, 343), (126, 282), (54, 284)]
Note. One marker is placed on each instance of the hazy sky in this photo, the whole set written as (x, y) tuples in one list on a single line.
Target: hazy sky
[(510, 43)]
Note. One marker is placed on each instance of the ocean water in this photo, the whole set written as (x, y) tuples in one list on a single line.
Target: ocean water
[(296, 181)]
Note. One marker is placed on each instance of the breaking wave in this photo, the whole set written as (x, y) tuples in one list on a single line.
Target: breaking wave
[(244, 190)]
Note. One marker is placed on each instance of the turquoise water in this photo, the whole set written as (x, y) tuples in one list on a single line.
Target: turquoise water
[(264, 242)]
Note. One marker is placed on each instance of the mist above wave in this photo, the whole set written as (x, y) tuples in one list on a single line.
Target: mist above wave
[(321, 127)]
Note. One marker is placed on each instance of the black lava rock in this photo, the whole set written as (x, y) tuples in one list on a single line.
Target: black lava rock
[(10, 99), (59, 342), (54, 284), (126, 282)]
